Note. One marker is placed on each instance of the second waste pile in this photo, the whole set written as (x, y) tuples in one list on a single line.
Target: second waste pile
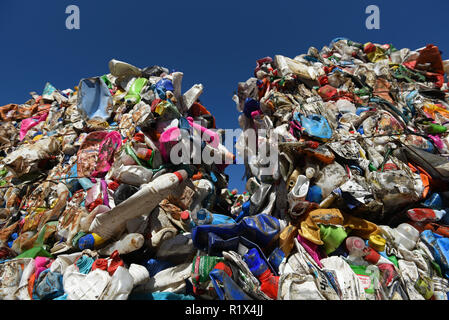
[(105, 192)]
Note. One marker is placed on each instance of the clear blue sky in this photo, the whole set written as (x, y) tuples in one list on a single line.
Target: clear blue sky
[(215, 43)]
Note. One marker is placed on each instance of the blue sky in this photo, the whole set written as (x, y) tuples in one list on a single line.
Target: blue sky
[(215, 43)]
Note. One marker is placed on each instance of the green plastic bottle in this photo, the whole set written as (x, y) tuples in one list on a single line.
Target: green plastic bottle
[(433, 128), (133, 95)]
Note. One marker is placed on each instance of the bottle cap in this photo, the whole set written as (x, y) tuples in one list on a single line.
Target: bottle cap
[(377, 242), (185, 215), (371, 255)]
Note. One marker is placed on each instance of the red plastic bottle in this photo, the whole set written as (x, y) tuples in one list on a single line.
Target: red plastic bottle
[(269, 284)]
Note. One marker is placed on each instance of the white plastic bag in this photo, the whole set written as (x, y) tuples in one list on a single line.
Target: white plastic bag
[(10, 277), (168, 280), (295, 286), (80, 286), (119, 286), (349, 282), (22, 289)]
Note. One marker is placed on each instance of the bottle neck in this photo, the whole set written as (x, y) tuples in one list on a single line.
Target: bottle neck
[(265, 275)]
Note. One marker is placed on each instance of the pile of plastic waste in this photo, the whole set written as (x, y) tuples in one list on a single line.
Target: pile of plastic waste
[(105, 192), (96, 201), (361, 172)]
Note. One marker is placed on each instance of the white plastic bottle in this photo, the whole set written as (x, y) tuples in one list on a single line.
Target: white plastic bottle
[(299, 191), (143, 201), (128, 243)]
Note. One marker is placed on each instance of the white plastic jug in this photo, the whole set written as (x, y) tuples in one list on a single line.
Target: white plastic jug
[(407, 235)]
